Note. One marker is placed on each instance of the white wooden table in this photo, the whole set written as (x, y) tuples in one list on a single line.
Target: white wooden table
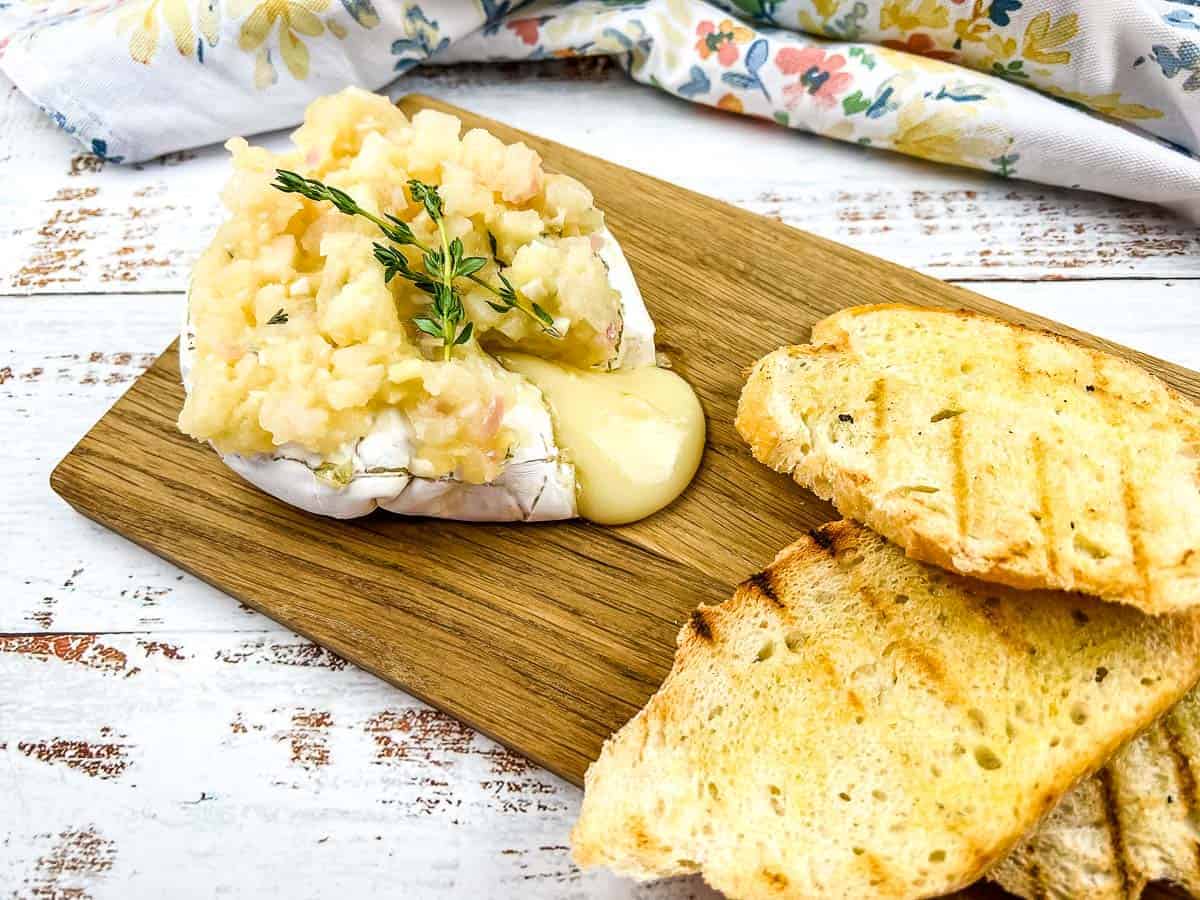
[(156, 737)]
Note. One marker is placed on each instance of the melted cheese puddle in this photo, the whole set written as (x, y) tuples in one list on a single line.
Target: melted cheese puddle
[(635, 437)]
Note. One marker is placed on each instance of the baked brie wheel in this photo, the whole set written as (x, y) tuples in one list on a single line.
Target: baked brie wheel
[(314, 370)]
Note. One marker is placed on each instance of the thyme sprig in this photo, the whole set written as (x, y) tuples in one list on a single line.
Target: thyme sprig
[(291, 183), (442, 264)]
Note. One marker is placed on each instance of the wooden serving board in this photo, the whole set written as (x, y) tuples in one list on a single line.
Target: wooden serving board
[(545, 637)]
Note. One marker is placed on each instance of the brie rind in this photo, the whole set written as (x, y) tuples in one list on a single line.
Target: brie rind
[(636, 348), (535, 485)]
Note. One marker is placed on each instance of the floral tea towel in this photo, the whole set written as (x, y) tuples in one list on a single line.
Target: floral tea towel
[(1096, 94)]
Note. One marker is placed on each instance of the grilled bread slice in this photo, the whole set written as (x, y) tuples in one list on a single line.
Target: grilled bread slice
[(854, 723), (994, 450), (1131, 824)]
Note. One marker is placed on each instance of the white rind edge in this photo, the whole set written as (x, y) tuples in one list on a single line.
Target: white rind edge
[(637, 329), (535, 485)]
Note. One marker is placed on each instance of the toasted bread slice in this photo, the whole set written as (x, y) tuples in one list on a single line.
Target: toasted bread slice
[(994, 450), (854, 723), (1131, 824)]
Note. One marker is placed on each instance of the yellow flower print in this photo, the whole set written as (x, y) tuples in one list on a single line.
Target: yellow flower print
[(1107, 104), (901, 14), (970, 31), (674, 20), (808, 22), (1042, 38), (974, 28), (817, 24), (296, 17), (999, 47), (945, 135), (911, 62), (143, 21), (996, 51), (336, 28)]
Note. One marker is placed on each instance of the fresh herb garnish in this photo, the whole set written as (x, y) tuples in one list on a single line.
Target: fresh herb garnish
[(280, 317), (508, 302), (292, 183), (442, 265)]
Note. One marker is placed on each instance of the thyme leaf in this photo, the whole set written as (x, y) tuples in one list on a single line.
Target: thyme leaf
[(442, 264)]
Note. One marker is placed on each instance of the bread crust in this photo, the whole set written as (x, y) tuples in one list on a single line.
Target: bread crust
[(854, 723), (991, 449)]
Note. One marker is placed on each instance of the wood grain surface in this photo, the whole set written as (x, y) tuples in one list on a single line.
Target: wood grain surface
[(545, 637)]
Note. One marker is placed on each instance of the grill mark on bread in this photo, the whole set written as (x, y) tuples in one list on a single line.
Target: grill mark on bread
[(841, 536), (1108, 807), (961, 486), (762, 583), (879, 393), (1184, 774), (881, 875), (933, 670), (1133, 524), (1037, 451), (1020, 364), (775, 881), (930, 666), (985, 530), (823, 538), (1038, 877), (700, 624), (991, 608)]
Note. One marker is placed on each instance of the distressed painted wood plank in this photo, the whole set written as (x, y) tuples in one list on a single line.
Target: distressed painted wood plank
[(63, 362), (256, 764), (1161, 318), (79, 225)]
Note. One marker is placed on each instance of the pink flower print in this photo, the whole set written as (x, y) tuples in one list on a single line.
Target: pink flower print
[(820, 75), (723, 40), (525, 29)]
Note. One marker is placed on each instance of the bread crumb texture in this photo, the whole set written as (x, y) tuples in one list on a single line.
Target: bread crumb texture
[(994, 450), (854, 723)]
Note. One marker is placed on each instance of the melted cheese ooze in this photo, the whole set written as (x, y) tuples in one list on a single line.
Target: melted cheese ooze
[(635, 437)]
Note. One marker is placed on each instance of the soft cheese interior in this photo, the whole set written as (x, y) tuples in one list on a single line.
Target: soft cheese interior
[(304, 371)]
